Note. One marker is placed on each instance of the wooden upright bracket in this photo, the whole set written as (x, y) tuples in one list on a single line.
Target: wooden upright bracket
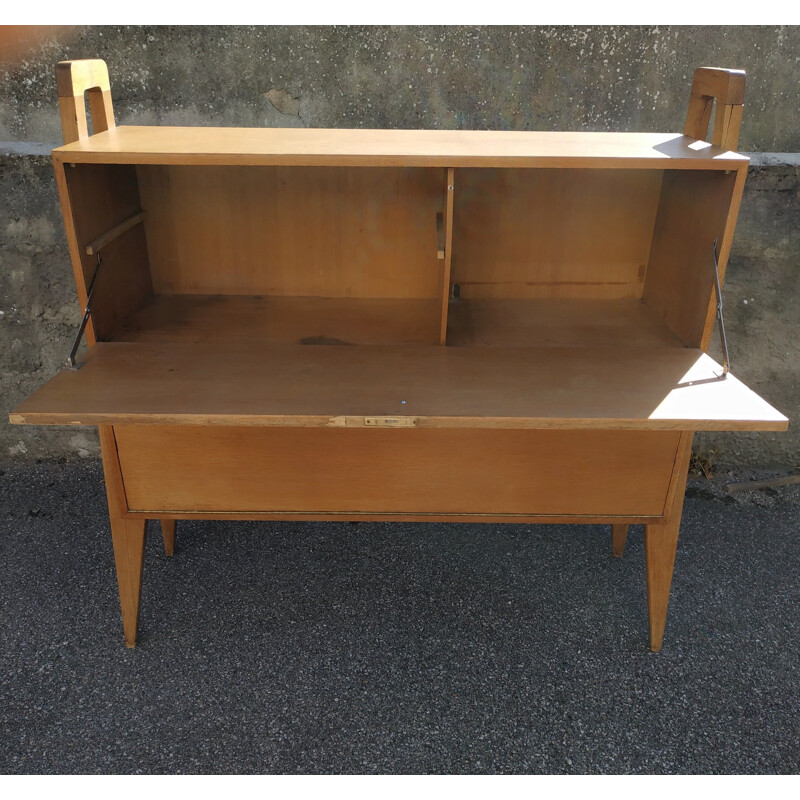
[(74, 79), (726, 86)]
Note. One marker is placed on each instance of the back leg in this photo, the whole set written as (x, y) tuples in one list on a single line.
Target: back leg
[(168, 532), (619, 535)]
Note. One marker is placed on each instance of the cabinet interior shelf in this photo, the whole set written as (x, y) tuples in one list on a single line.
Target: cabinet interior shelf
[(506, 322), (513, 322), (293, 320)]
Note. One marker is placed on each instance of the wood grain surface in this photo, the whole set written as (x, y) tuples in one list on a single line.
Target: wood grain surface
[(668, 388), (554, 233), (293, 231), (539, 322), (396, 471), (293, 320), (415, 148)]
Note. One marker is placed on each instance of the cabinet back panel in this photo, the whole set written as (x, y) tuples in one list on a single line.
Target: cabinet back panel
[(293, 231), (565, 233), (693, 211)]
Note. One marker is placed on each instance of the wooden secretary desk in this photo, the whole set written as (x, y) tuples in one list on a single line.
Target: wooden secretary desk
[(398, 325)]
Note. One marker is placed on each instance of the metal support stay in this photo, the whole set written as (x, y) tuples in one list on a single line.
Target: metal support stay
[(720, 320), (86, 314), (93, 248)]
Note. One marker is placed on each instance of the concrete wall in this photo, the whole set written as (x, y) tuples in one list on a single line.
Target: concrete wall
[(529, 78), (606, 78)]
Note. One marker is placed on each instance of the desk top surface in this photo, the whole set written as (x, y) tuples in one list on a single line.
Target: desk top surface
[(408, 148), (666, 388)]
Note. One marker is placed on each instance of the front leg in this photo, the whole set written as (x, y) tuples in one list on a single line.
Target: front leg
[(661, 543), (127, 535)]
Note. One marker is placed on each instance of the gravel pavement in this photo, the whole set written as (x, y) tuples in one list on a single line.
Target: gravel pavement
[(270, 647)]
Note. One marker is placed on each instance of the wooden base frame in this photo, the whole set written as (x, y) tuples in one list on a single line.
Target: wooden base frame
[(128, 529)]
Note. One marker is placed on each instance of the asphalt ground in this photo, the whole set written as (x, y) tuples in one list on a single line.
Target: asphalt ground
[(395, 648)]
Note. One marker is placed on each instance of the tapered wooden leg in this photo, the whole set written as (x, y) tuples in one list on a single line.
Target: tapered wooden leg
[(128, 536), (660, 545), (168, 532), (619, 535)]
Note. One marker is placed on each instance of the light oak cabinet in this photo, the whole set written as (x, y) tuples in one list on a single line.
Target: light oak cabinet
[(398, 325)]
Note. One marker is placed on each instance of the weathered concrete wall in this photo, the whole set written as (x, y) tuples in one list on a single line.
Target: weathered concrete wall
[(548, 78), (503, 78), (39, 311), (762, 316)]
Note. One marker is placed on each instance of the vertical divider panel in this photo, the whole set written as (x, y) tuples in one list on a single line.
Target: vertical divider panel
[(449, 196)]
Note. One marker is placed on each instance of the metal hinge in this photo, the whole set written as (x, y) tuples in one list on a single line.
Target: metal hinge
[(720, 320)]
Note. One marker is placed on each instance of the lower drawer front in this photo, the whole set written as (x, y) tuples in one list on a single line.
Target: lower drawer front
[(413, 471)]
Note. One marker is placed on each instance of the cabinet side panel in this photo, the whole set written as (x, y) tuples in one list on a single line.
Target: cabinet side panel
[(396, 471), (293, 231), (692, 212), (553, 233), (102, 196)]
